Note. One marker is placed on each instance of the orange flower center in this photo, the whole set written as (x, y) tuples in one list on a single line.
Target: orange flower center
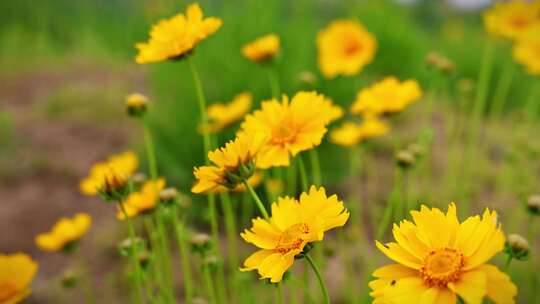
[(284, 133), (351, 47), (291, 239), (7, 291), (519, 22), (442, 266)]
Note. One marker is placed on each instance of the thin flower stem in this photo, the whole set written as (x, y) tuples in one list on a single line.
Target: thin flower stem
[(531, 106), (156, 272), (86, 283), (315, 167), (134, 261), (354, 166), (150, 151), (184, 255), (507, 264), (209, 284), (390, 208), (319, 278), (257, 200), (303, 175), (274, 82), (230, 226), (165, 250), (503, 87), (281, 298), (291, 178)]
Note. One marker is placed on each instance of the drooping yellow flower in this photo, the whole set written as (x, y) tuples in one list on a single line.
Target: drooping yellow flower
[(16, 273), (350, 133), (438, 258), (111, 174), (292, 126), (231, 164), (143, 200), (344, 48), (262, 49), (294, 223), (64, 233), (527, 51), (175, 37), (511, 19), (222, 115), (386, 96)]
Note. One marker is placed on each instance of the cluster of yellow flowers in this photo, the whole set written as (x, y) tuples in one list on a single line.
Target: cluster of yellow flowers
[(518, 21)]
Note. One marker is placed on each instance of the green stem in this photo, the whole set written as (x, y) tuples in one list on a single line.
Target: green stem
[(257, 200), (291, 178), (166, 258), (319, 278), (531, 105), (134, 260), (184, 256), (303, 175), (315, 166), (156, 271), (230, 225), (209, 284), (274, 82), (354, 166), (281, 298), (150, 151), (503, 87), (507, 264), (390, 208), (86, 284)]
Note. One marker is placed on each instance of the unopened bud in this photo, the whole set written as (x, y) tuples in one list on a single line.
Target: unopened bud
[(533, 204), (517, 247), (69, 279), (405, 159), (432, 60), (168, 195), (200, 242), (129, 246), (447, 66), (199, 301), (136, 104), (144, 258), (211, 261), (138, 178), (308, 78), (417, 150)]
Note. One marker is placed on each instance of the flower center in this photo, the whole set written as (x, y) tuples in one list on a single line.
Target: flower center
[(351, 47), (519, 22), (291, 239), (283, 133), (442, 266), (7, 291)]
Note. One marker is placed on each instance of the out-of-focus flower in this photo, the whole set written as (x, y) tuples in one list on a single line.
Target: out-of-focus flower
[(65, 233), (526, 51), (136, 104), (262, 49), (438, 258), (334, 111), (111, 175), (351, 133), (307, 78), (293, 126), (232, 164), (144, 200), (175, 37), (386, 96), (533, 204), (254, 181), (275, 186), (405, 159), (293, 225), (221, 115), (344, 48), (16, 273), (513, 18)]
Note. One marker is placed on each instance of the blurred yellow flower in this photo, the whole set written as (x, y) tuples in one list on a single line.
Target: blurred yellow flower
[(275, 186), (333, 111), (262, 49), (64, 233), (511, 19), (527, 51), (350, 133), (438, 258), (344, 48), (110, 175), (222, 115), (175, 37), (16, 273), (294, 223), (136, 100), (386, 96), (231, 164), (143, 200), (292, 127)]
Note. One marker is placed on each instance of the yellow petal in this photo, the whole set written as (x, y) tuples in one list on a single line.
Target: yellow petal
[(471, 286), (500, 288), (398, 254), (255, 260)]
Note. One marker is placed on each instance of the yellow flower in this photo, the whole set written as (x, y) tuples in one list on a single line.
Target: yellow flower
[(438, 258), (64, 233), (110, 175), (292, 127), (350, 133), (344, 48), (512, 19), (386, 96), (294, 223), (143, 200), (222, 115), (334, 112), (16, 273), (262, 49), (175, 37), (527, 51), (231, 164)]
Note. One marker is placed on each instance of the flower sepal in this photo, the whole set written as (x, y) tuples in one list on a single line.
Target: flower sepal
[(305, 251)]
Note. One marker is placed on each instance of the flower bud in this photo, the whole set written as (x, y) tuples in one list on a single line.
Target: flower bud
[(307, 78), (517, 247), (144, 258), (129, 246), (199, 301), (136, 104), (533, 204), (200, 242), (432, 60), (139, 178), (69, 279), (405, 159), (417, 150), (465, 86), (211, 261), (168, 195), (447, 66)]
